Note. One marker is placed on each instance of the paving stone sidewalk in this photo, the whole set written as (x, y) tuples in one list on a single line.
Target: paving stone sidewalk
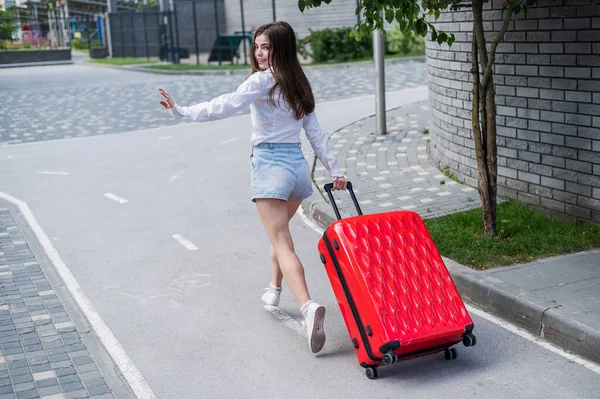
[(41, 352), (393, 172)]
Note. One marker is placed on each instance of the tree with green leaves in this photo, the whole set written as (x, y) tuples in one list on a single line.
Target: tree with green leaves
[(8, 27), (414, 17)]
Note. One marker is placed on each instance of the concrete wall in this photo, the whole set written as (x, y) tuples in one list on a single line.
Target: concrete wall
[(548, 97), (25, 56)]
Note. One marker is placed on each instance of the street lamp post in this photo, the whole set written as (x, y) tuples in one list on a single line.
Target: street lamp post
[(378, 53)]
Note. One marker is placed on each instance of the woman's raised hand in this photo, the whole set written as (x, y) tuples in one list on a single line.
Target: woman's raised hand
[(169, 103)]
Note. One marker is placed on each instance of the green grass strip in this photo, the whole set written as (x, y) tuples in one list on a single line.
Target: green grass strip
[(523, 236)]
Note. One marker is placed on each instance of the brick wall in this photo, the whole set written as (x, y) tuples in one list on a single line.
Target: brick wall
[(547, 79)]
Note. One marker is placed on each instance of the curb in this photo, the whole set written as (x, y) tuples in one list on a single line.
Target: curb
[(32, 64), (541, 318), (361, 64)]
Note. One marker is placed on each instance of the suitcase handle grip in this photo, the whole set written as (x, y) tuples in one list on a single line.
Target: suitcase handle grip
[(329, 187)]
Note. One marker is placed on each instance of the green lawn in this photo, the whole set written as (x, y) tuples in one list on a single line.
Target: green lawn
[(523, 236), (122, 61)]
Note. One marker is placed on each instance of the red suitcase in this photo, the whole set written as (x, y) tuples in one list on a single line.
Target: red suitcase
[(394, 292)]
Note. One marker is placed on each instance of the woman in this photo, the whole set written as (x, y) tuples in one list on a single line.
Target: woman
[(281, 104)]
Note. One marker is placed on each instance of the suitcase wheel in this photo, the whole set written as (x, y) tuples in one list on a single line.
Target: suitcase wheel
[(469, 340), (372, 373), (389, 358), (450, 354)]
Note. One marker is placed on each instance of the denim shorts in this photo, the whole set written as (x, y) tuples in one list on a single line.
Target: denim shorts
[(279, 170)]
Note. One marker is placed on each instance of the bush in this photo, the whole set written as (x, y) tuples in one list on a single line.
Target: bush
[(335, 45), (397, 43)]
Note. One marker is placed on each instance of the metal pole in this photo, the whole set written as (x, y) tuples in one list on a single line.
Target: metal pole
[(170, 19), (160, 38), (274, 16), (244, 29), (217, 24), (133, 34), (378, 53), (108, 34), (195, 32), (87, 33), (357, 15), (121, 25), (145, 34), (176, 27)]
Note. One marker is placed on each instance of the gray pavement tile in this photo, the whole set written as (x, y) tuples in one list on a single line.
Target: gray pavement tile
[(19, 371), (86, 367), (16, 364), (19, 379), (71, 386), (98, 389), (79, 394), (90, 382), (83, 360), (75, 348), (59, 357), (68, 379), (65, 371), (47, 383), (47, 391), (61, 364), (25, 386), (41, 368), (29, 394)]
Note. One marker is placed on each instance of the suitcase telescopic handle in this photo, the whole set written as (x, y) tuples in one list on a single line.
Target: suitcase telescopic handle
[(329, 187)]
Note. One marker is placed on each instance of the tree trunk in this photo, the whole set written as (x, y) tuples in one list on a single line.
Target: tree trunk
[(492, 155), (483, 116), (478, 135)]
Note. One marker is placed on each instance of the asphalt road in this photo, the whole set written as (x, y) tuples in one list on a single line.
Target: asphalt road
[(119, 208)]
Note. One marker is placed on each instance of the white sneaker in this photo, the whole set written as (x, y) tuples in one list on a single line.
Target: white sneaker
[(271, 297), (315, 317)]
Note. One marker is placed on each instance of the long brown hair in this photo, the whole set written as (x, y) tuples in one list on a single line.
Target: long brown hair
[(289, 76)]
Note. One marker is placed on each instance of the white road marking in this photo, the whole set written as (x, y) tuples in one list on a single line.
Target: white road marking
[(496, 320), (227, 141), (126, 366), (20, 156), (49, 172), (175, 177), (185, 242), (116, 198), (536, 340), (286, 319)]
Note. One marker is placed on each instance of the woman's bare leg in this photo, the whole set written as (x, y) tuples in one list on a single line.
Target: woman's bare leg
[(276, 275), (274, 215)]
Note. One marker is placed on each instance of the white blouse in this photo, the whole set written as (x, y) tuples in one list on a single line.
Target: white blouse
[(270, 124)]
